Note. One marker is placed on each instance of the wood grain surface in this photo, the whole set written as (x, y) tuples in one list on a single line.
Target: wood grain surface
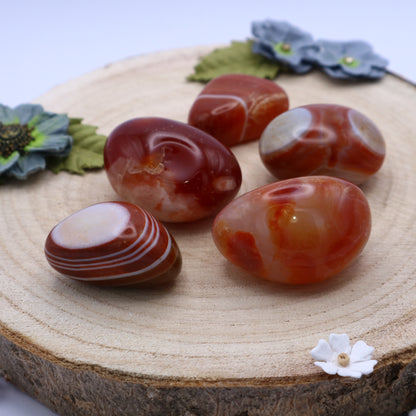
[(216, 341)]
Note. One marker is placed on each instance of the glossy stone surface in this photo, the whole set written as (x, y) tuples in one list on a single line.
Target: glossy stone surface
[(236, 108), (175, 171), (300, 230), (113, 244), (322, 139)]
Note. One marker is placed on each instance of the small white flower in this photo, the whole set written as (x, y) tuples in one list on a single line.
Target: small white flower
[(337, 357)]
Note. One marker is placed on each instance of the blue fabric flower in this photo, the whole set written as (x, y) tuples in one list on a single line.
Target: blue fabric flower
[(282, 42), (354, 59), (27, 135)]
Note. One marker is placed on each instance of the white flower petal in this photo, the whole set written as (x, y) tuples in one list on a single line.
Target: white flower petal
[(322, 351), (361, 351), (329, 368), (364, 367), (340, 343), (348, 372), (360, 356)]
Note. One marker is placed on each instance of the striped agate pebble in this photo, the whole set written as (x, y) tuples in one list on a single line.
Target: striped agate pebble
[(113, 244), (235, 108), (322, 139)]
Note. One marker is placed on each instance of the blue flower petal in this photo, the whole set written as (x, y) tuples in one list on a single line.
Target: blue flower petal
[(340, 72), (279, 31), (356, 48), (270, 35), (50, 123), (376, 60), (335, 72), (333, 58), (7, 115), (27, 165), (50, 136), (363, 68), (376, 73), (326, 53), (56, 144), (264, 49), (295, 61), (7, 163), (27, 112)]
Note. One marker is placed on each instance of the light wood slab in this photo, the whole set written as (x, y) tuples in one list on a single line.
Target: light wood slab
[(216, 342)]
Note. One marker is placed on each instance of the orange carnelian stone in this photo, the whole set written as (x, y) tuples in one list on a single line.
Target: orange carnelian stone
[(300, 230), (322, 139), (236, 108), (176, 172)]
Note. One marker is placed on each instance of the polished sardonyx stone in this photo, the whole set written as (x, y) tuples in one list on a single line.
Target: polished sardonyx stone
[(113, 244)]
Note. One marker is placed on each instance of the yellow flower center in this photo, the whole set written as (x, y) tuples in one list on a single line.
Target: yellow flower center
[(349, 61), (343, 359)]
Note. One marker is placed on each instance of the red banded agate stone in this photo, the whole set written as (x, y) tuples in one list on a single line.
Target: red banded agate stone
[(322, 139), (113, 244), (236, 108), (175, 171), (300, 230)]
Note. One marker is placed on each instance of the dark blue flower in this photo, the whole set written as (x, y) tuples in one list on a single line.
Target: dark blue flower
[(282, 42), (354, 59), (27, 135)]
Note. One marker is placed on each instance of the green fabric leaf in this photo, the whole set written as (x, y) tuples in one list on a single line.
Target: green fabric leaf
[(86, 153), (237, 58)]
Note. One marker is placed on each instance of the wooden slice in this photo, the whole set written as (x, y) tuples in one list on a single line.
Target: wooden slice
[(217, 341)]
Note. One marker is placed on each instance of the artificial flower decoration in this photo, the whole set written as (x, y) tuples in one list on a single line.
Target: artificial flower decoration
[(337, 356), (32, 139), (282, 42), (87, 150), (27, 135), (283, 46), (354, 59), (238, 58)]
